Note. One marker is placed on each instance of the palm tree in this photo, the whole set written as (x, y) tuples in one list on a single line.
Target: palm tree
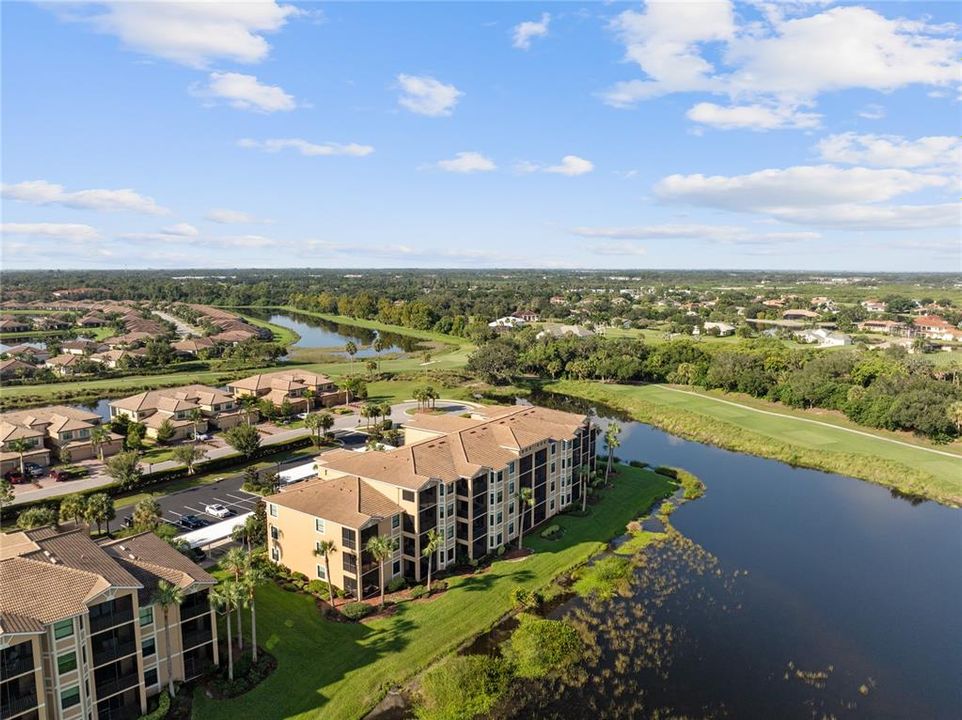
[(254, 575), (378, 346), (249, 403), (585, 471), (613, 441), (381, 548), (419, 396), (431, 395), (20, 446), (351, 349), (245, 533), (167, 595), (313, 422), (326, 421), (324, 549), (236, 562), (99, 435), (435, 539), (226, 596), (195, 417), (309, 395), (525, 497)]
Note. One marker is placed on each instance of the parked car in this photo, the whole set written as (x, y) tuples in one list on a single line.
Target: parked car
[(127, 522), (202, 437), (34, 470), (192, 522), (62, 475), (217, 510), (14, 477)]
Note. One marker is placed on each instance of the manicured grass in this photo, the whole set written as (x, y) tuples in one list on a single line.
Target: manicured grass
[(784, 436), (282, 335), (339, 670)]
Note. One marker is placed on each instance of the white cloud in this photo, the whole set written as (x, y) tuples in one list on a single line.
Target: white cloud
[(467, 162), (618, 248), (729, 234), (41, 192), (752, 117), (189, 33), (307, 148), (872, 111), (571, 165), (779, 64), (819, 195), (186, 233), (62, 231), (182, 229), (891, 150), (245, 92), (524, 32), (231, 217), (425, 95)]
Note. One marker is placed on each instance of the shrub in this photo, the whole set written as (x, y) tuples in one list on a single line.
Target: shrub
[(462, 686), (526, 599), (299, 577), (290, 587), (418, 591), (667, 472), (666, 509), (633, 527), (163, 707), (550, 531), (439, 586), (539, 648), (605, 577), (692, 486), (637, 463), (356, 610), (318, 588), (395, 584)]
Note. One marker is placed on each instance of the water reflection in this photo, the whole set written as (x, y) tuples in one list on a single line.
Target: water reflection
[(318, 333)]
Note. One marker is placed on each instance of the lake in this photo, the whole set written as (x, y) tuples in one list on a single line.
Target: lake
[(791, 593), (318, 333)]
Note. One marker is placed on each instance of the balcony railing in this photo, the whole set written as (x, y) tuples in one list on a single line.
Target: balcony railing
[(194, 638), (116, 685), (16, 666), (15, 706), (102, 622), (112, 652)]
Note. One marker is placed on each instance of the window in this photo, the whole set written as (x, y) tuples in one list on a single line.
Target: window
[(275, 555), (450, 531), (397, 567), (491, 501), (395, 521), (321, 572), (491, 520), (320, 525), (552, 468), (441, 511), (274, 532), (272, 509), (511, 488), (554, 448), (150, 647), (66, 662), (450, 488), (69, 698), (63, 629), (510, 529), (500, 518), (146, 615), (511, 468), (150, 677), (450, 509), (407, 495), (500, 496), (441, 489)]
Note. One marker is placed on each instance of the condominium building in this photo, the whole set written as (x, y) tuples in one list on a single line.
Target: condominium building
[(177, 406), (293, 386), (459, 476), (80, 635), (58, 428)]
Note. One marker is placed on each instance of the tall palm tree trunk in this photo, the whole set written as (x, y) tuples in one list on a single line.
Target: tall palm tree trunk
[(230, 648), (253, 630), (240, 628), (381, 572), (430, 563), (170, 662), (330, 585)]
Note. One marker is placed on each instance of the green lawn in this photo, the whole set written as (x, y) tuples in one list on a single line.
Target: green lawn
[(339, 670), (785, 435)]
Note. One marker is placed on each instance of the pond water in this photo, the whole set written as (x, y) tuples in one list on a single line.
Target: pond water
[(33, 343), (101, 407), (790, 593), (318, 333)]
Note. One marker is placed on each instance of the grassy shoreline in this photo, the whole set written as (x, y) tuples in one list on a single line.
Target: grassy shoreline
[(780, 436), (370, 658)]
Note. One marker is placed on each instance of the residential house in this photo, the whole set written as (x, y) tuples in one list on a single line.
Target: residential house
[(888, 327), (92, 320), (507, 322), (193, 346), (557, 330), (823, 338), (293, 386), (10, 432), (233, 337), (82, 346), (128, 340), (459, 476), (557, 300), (528, 316), (15, 368), (874, 306), (177, 405), (800, 315), (932, 327), (724, 329), (65, 364), (65, 430), (112, 358), (12, 324), (80, 634), (27, 353)]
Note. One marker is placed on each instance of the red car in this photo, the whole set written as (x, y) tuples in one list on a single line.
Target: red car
[(63, 475), (15, 477)]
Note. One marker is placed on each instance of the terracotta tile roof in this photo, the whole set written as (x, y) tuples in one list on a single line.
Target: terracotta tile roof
[(348, 500), (150, 560), (14, 624), (264, 381), (45, 591), (76, 550)]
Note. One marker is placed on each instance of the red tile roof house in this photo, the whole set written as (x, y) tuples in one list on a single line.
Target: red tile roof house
[(27, 353), (177, 405), (65, 364), (15, 368), (12, 325), (10, 460), (193, 346), (81, 346), (290, 385), (526, 315), (936, 328), (65, 428)]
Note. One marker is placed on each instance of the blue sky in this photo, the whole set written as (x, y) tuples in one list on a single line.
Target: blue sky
[(800, 135)]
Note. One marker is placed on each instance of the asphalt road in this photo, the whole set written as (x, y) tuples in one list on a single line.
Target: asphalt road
[(226, 492)]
